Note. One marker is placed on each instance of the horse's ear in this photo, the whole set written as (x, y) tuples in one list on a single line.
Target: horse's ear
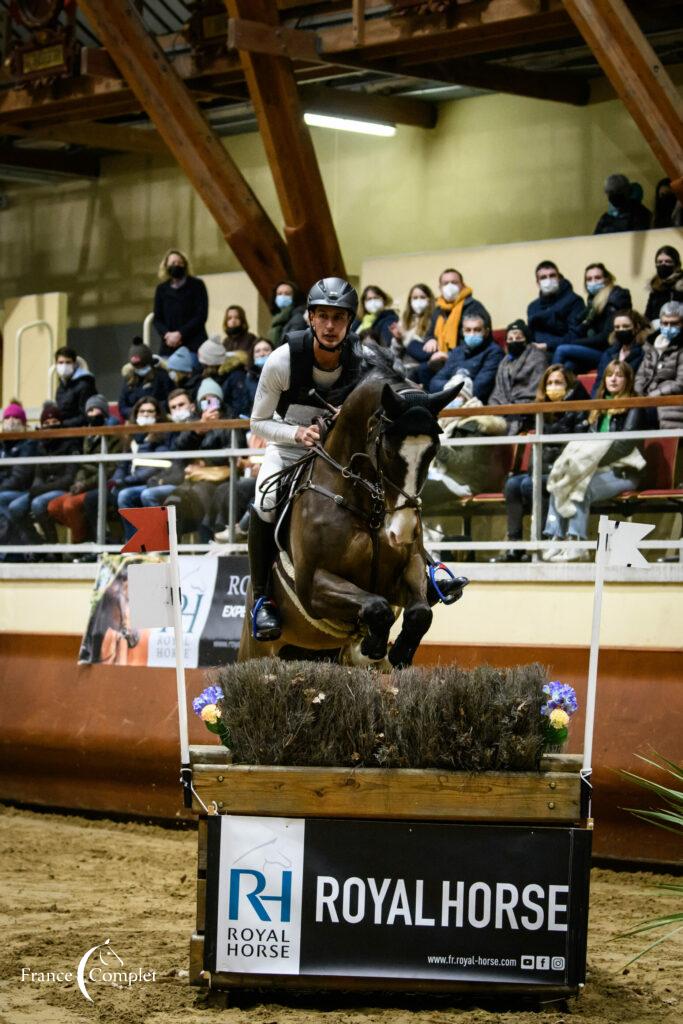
[(392, 403), (441, 399)]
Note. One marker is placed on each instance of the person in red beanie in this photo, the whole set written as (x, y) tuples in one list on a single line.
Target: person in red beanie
[(14, 480)]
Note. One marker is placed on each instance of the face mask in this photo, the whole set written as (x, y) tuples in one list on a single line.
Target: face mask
[(96, 421), (418, 306), (593, 287), (65, 369), (373, 305), (260, 361), (549, 285), (181, 415), (669, 331), (612, 210), (664, 270), (555, 392), (7, 425), (176, 272), (624, 337), (143, 371), (515, 348), (232, 332), (283, 301), (450, 291), (472, 340), (617, 201), (145, 421), (211, 402)]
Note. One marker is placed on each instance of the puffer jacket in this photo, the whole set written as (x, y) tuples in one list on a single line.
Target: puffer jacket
[(556, 319), (662, 374), (17, 478)]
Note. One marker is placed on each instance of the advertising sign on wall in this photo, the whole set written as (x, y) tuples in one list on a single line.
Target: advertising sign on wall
[(384, 899)]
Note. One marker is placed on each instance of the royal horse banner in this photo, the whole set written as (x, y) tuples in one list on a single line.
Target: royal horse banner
[(213, 607), (387, 899)]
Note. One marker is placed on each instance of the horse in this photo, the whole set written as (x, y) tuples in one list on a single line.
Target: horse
[(353, 558)]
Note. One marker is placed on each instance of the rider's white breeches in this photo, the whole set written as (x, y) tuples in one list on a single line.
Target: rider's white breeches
[(277, 457)]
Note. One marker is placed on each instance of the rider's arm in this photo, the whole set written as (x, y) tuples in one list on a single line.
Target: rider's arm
[(274, 381)]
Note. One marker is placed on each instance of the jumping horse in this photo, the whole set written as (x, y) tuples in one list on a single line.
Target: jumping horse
[(353, 556)]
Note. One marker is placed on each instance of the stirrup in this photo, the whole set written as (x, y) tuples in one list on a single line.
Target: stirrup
[(272, 631), (448, 597)]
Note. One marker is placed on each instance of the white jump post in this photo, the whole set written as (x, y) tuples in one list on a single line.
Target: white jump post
[(176, 598)]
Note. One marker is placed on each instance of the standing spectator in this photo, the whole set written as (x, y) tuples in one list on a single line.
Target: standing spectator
[(556, 315), (667, 284), (518, 374), (625, 212), (377, 316), (15, 481), (479, 355), (131, 478), (455, 302), (605, 298), (287, 306), (629, 334), (661, 371), (181, 305), (237, 336), (143, 377), (76, 385), (239, 385), (411, 331), (183, 370), (667, 208)]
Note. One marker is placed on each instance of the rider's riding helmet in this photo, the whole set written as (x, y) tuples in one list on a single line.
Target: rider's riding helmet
[(333, 291)]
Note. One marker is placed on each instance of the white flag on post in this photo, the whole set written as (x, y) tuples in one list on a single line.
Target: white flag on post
[(622, 545), (150, 595)]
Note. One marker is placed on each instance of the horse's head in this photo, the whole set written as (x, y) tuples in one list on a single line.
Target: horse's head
[(407, 439)]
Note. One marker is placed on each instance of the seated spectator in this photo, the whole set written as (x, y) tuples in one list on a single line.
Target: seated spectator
[(288, 307), (377, 317), (625, 212), (246, 489), (163, 480), (50, 480), (69, 509), (558, 384), (479, 355), (130, 479), (76, 385), (518, 374), (667, 208), (454, 303), (239, 384), (211, 354), (556, 315), (183, 369), (605, 298), (237, 336), (181, 305), (143, 377), (15, 481), (411, 331), (629, 333), (666, 285), (661, 371), (587, 472)]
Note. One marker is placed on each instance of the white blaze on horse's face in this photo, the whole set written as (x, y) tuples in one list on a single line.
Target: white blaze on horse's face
[(403, 522)]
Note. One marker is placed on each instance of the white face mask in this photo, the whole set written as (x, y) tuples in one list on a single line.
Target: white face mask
[(418, 306), (181, 415), (450, 291), (549, 285), (373, 305), (145, 421), (65, 369)]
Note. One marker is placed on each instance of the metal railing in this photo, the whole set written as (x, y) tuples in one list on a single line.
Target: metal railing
[(537, 439)]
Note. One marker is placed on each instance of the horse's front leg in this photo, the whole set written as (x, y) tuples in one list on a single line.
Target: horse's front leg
[(417, 615), (332, 597)]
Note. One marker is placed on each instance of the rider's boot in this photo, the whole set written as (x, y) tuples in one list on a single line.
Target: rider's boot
[(265, 617), (442, 585)]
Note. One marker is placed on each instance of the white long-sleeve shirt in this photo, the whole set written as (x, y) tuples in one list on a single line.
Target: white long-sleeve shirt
[(273, 383)]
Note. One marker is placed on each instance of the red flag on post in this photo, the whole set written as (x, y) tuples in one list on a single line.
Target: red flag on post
[(151, 529)]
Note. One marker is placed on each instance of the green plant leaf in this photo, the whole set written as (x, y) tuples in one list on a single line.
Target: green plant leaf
[(674, 769), (672, 794), (664, 938)]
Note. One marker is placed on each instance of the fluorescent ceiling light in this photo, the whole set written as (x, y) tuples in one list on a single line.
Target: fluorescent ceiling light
[(346, 124)]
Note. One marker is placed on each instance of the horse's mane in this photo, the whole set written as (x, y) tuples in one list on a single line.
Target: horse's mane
[(381, 364)]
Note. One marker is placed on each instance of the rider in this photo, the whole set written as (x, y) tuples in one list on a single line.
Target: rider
[(325, 359)]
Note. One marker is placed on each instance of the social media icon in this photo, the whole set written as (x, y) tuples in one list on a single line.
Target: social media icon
[(527, 963), (542, 963), (557, 963)]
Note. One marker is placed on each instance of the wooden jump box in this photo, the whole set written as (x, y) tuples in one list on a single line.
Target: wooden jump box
[(550, 796)]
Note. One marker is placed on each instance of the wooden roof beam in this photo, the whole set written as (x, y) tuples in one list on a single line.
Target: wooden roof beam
[(81, 165), (96, 136), (197, 148), (559, 86)]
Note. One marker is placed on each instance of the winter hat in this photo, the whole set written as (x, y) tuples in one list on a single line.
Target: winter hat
[(181, 360), (518, 325), (211, 352), (97, 402), (16, 410), (51, 411), (209, 387), (140, 354)]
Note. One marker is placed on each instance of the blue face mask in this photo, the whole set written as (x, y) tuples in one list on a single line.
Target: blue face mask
[(612, 210), (472, 340), (143, 371), (593, 287), (670, 331), (260, 360), (283, 301)]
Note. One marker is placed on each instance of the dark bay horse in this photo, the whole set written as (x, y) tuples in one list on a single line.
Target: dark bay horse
[(354, 556)]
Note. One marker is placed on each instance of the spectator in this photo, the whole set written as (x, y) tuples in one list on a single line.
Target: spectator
[(181, 305), (15, 481), (237, 336), (183, 369), (411, 331), (163, 481), (556, 315), (625, 212), (667, 208), (558, 384), (69, 509), (605, 298), (143, 377), (666, 285), (518, 374), (629, 333), (239, 385), (288, 307), (76, 385), (131, 478), (246, 489), (377, 316), (661, 371), (455, 302), (50, 480), (594, 471), (479, 355)]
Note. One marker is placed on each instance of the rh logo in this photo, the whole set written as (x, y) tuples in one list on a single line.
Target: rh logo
[(250, 885)]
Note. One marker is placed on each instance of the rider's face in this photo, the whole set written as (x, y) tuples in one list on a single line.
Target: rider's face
[(330, 324)]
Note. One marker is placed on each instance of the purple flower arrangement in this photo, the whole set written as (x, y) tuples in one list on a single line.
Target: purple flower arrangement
[(206, 707), (560, 705)]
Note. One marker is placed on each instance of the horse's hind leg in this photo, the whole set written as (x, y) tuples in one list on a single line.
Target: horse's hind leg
[(332, 597)]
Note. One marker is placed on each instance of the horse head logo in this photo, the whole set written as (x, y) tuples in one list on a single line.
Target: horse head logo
[(108, 957)]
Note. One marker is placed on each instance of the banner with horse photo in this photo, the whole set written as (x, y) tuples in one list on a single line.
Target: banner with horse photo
[(213, 607)]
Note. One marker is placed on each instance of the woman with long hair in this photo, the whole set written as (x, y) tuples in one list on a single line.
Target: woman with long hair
[(667, 284), (629, 332), (412, 330), (181, 304), (605, 299)]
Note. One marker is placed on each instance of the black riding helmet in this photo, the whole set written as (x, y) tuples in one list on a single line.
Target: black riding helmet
[(333, 291)]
